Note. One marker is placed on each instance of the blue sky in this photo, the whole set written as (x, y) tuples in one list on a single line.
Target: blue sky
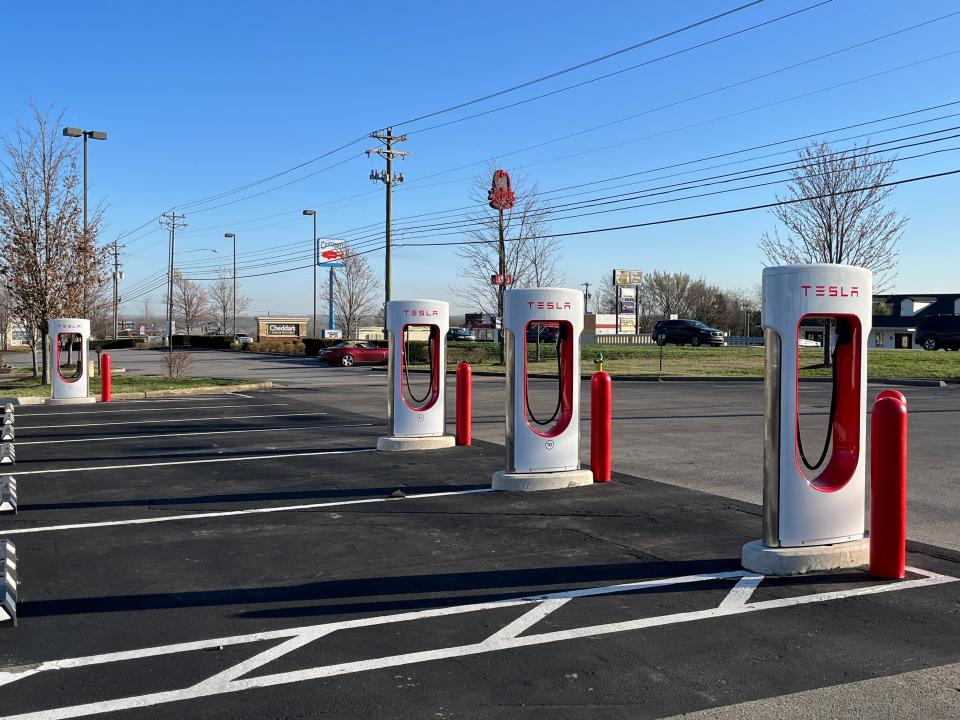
[(202, 98)]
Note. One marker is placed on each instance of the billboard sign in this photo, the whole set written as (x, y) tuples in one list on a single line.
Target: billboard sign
[(330, 253), (627, 277), (627, 293), (628, 306), (628, 325)]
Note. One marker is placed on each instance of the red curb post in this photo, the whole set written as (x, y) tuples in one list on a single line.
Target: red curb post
[(888, 486), (601, 425), (464, 404), (105, 377)]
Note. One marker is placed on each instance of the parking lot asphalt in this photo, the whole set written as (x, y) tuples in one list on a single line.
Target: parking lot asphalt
[(251, 556)]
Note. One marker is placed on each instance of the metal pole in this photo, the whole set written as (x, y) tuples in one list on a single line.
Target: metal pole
[(86, 310), (331, 323), (314, 275), (502, 250), (388, 248), (234, 284)]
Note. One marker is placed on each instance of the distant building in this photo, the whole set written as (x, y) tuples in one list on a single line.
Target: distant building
[(895, 317)]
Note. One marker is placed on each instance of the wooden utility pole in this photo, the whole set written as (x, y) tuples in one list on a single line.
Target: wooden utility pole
[(387, 177), (116, 281), (171, 221)]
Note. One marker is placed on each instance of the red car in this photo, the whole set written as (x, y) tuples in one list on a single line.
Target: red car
[(353, 352)]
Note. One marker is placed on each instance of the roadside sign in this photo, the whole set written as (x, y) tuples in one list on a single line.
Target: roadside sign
[(628, 306), (330, 253), (501, 279), (627, 277), (501, 196), (628, 293)]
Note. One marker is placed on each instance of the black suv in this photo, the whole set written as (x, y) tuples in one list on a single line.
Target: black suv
[(682, 332), (939, 331)]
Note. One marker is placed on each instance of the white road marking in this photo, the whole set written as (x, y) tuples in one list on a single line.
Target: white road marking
[(241, 458), (159, 409), (227, 681), (188, 434), (250, 511), (742, 592), (164, 421)]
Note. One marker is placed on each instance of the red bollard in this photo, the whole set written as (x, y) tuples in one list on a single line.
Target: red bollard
[(105, 377), (888, 486), (464, 404), (601, 425)]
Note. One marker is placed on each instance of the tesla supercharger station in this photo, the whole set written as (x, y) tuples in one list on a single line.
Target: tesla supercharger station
[(69, 340), (813, 487), (416, 417), (542, 452)]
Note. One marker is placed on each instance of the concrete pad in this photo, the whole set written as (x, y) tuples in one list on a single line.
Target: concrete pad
[(400, 444), (527, 482), (757, 557), (88, 400)]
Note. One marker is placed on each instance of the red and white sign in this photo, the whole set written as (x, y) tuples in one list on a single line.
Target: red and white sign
[(501, 279), (501, 196), (331, 253)]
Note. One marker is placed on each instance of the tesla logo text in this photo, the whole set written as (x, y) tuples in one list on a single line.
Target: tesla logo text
[(831, 290), (422, 313), (549, 305)]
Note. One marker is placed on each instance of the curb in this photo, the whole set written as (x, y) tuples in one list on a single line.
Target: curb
[(915, 382), (140, 395)]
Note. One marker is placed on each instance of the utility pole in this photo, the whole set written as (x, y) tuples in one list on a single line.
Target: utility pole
[(171, 221), (117, 277), (387, 177), (586, 296)]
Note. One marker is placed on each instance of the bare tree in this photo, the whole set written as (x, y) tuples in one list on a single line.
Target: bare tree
[(190, 302), (147, 313), (50, 265), (221, 301), (356, 293), (531, 253), (843, 219)]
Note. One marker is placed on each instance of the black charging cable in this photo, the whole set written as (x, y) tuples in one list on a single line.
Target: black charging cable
[(561, 335), (406, 366), (844, 337)]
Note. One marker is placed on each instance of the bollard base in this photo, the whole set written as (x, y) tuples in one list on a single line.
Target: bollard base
[(71, 401), (400, 444), (759, 558), (528, 482)]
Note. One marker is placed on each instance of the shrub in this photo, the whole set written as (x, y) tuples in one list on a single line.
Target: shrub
[(472, 355), (299, 348), (234, 346), (254, 346), (178, 364)]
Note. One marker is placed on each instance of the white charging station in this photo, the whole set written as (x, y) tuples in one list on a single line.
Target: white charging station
[(69, 372), (814, 486), (416, 417), (542, 453)]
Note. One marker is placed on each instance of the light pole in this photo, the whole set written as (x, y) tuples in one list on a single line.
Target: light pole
[(313, 214), (233, 237), (86, 135)]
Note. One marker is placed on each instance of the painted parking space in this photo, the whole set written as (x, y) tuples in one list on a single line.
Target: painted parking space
[(271, 583)]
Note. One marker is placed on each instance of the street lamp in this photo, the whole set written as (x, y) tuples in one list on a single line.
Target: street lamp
[(233, 237), (86, 135), (313, 213)]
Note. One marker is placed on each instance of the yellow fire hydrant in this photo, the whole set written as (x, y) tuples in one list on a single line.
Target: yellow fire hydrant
[(598, 361)]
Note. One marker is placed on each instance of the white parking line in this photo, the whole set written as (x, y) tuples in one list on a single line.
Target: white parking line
[(241, 458), (165, 420), (237, 678), (251, 511), (160, 409), (188, 434)]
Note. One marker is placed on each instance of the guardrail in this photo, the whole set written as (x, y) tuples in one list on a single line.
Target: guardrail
[(642, 339)]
